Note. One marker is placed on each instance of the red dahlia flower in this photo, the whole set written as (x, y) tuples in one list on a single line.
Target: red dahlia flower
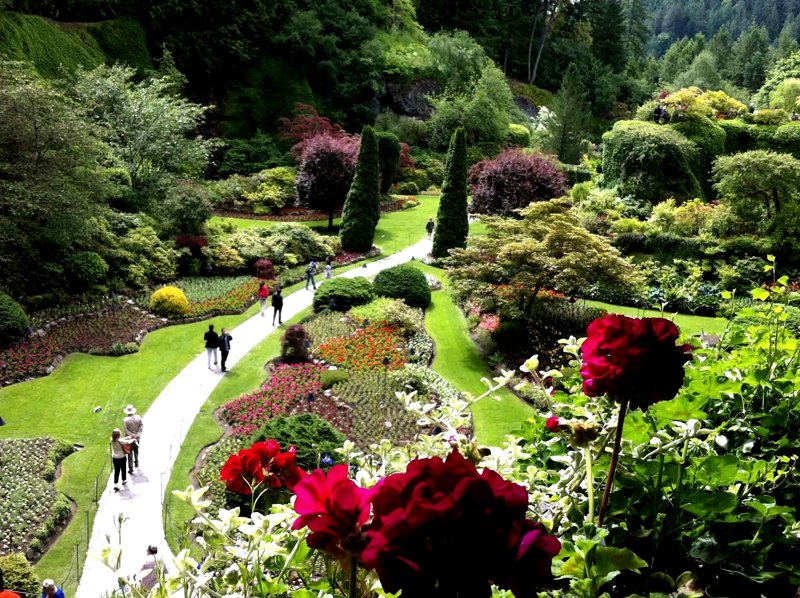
[(633, 358), (262, 462), (425, 519), (334, 508)]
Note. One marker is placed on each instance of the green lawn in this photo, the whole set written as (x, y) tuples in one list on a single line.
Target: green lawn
[(61, 405), (457, 359), (688, 324), (248, 375)]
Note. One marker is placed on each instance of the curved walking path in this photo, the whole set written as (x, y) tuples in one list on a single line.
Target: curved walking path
[(140, 504)]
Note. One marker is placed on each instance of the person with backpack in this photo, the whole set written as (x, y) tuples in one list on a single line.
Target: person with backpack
[(310, 271), (277, 307), (212, 344)]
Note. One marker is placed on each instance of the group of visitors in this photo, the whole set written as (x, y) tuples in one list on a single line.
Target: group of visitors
[(311, 269), (218, 342), (277, 302), (125, 449)]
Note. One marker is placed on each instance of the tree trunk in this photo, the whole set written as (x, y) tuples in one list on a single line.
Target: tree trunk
[(330, 219), (545, 34), (530, 42)]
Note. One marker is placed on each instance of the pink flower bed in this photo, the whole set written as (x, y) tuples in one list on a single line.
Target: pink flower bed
[(286, 387)]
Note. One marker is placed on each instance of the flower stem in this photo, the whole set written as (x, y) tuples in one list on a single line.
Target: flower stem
[(589, 481), (612, 469), (353, 576)]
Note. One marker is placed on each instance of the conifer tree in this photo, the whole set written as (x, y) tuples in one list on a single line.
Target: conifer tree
[(362, 206), (452, 225), (388, 157), (572, 116)]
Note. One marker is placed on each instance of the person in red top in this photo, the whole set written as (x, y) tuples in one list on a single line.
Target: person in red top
[(263, 293)]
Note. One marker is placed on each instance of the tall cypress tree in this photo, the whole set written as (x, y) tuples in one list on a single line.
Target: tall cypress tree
[(388, 157), (362, 206), (452, 224)]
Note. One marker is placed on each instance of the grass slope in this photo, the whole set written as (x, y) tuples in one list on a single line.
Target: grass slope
[(458, 360), (61, 405), (688, 324)]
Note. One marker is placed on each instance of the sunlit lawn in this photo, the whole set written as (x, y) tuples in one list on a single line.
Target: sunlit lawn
[(688, 324), (62, 405)]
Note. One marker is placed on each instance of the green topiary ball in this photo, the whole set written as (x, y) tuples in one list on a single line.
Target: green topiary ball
[(18, 574), (340, 294), (311, 435), (170, 302), (404, 282), (13, 321)]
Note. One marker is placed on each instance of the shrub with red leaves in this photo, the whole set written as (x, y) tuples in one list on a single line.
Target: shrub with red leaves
[(513, 180)]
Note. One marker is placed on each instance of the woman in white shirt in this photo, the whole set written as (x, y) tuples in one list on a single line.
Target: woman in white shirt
[(119, 455)]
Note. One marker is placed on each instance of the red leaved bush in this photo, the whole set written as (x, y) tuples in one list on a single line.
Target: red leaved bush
[(327, 164), (513, 180)]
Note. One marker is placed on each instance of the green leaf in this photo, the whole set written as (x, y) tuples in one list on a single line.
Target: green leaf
[(726, 295), (704, 504), (770, 258), (760, 294), (718, 471), (609, 558), (681, 408)]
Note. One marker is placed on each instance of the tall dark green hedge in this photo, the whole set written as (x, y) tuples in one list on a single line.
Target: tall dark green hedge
[(650, 161), (710, 141), (362, 206), (388, 157), (452, 224)]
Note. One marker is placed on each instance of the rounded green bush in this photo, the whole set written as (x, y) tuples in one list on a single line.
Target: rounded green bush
[(86, 268), (18, 574), (13, 321), (787, 139), (518, 135), (170, 302), (404, 282), (340, 294), (311, 435), (331, 377)]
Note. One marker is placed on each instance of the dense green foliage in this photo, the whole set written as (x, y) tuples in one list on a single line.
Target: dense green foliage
[(18, 574), (340, 294), (388, 156), (362, 209), (403, 282), (710, 142), (452, 223), (312, 436), (649, 161), (13, 321)]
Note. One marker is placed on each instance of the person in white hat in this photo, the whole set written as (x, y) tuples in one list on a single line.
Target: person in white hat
[(134, 426), (50, 590)]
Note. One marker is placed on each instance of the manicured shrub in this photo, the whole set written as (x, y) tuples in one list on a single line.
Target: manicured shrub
[(311, 435), (388, 158), (518, 136), (13, 321), (513, 180), (295, 344), (331, 377), (265, 269), (394, 312), (277, 242), (86, 268), (408, 188), (452, 223), (404, 282), (362, 207), (170, 302), (275, 190), (769, 116), (649, 161), (737, 136), (18, 574), (787, 139), (710, 141), (340, 294), (549, 320)]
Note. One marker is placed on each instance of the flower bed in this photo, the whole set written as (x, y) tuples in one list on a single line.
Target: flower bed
[(212, 294), (287, 385), (30, 507), (106, 332), (366, 349)]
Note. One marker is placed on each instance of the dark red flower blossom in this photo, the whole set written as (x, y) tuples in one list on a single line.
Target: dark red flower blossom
[(553, 423), (633, 358), (334, 508), (424, 519), (262, 462)]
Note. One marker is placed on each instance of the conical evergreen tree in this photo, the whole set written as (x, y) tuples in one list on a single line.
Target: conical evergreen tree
[(572, 116), (362, 206), (388, 157), (452, 224)]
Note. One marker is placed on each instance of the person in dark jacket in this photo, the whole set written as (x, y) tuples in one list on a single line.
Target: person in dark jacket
[(277, 307), (212, 344), (224, 347), (310, 271)]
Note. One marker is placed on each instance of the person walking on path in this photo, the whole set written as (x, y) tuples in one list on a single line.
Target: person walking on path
[(133, 426), (212, 343), (263, 293), (4, 593), (429, 226), (225, 347), (50, 589), (119, 456), (310, 271), (277, 307), (328, 270)]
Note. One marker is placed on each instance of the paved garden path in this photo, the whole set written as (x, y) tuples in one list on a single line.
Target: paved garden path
[(140, 505)]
